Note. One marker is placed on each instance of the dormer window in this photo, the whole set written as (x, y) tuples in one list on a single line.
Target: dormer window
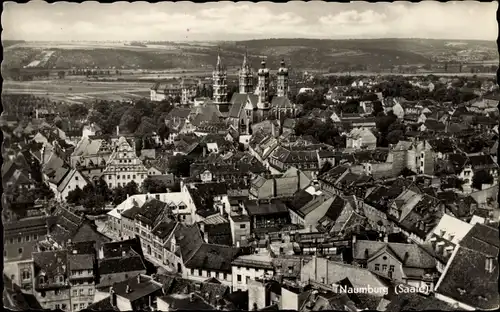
[(42, 279)]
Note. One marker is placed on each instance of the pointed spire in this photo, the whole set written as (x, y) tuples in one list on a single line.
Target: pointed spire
[(245, 58), (219, 62)]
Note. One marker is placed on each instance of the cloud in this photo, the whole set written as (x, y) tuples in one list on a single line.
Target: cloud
[(221, 21), (353, 18)]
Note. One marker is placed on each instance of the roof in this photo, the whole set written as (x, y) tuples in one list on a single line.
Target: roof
[(81, 262), (213, 257), (185, 302), (150, 211), (417, 257), (139, 287), (467, 280), (102, 305), (257, 207), (119, 265), (189, 239), (482, 238)]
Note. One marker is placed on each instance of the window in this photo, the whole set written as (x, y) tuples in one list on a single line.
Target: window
[(133, 176), (128, 176), (11, 241), (42, 294), (82, 305), (27, 238), (377, 267), (384, 267), (63, 306), (57, 306), (76, 178), (19, 239), (242, 226), (81, 292), (290, 269), (238, 278), (118, 177), (75, 307), (248, 280), (57, 292), (75, 292), (199, 272), (20, 251), (391, 268)]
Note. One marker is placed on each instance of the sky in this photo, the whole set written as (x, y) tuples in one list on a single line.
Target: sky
[(187, 21)]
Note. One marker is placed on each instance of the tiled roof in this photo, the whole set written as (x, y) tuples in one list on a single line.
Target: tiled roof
[(467, 279), (80, 262), (150, 211), (119, 265), (139, 287), (256, 207), (417, 257), (213, 258)]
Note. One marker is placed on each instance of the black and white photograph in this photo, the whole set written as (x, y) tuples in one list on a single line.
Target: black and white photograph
[(250, 156)]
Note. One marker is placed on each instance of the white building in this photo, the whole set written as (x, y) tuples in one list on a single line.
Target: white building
[(250, 267), (124, 166)]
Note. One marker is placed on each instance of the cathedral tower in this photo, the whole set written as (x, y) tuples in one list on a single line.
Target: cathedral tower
[(282, 83), (246, 76), (262, 89), (220, 85)]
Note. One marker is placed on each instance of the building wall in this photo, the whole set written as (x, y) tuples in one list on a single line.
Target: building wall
[(201, 275), (240, 235), (20, 272), (49, 299), (379, 170), (289, 300), (246, 274), (162, 305), (123, 304), (256, 295), (82, 294), (385, 259), (76, 181)]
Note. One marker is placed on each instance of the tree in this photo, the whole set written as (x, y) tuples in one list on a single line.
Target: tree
[(119, 195), (153, 186), (75, 196), (131, 188), (481, 177), (394, 136), (180, 165)]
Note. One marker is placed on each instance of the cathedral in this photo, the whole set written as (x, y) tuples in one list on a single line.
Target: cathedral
[(251, 105)]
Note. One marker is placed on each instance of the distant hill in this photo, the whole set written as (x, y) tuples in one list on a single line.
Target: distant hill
[(311, 54)]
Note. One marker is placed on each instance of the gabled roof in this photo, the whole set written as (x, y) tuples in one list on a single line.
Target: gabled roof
[(416, 256)]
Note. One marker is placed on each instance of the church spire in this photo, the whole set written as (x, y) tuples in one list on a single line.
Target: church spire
[(219, 66), (245, 58)]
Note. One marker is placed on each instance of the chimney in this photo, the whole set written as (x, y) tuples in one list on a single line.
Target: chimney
[(386, 238), (139, 279), (191, 297), (112, 296), (128, 290), (117, 130), (124, 253), (489, 264), (407, 255), (353, 240)]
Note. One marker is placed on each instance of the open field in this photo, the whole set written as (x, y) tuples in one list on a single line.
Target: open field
[(298, 53), (75, 91)]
